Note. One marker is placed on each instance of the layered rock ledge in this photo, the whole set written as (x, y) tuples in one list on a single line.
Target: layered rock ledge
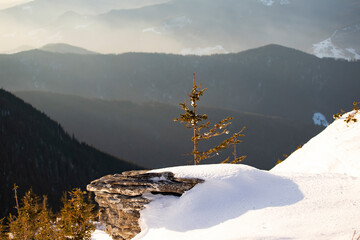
[(121, 197)]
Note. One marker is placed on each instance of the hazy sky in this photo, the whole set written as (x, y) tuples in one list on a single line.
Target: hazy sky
[(9, 3), (117, 26)]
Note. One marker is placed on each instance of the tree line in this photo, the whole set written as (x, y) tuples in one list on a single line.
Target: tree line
[(34, 220)]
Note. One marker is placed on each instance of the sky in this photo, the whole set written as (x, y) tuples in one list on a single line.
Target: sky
[(9, 3), (118, 26)]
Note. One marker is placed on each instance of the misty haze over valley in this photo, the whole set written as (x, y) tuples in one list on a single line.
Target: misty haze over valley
[(327, 28)]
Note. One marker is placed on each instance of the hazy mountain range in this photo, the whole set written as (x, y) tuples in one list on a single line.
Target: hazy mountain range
[(36, 152), (65, 48), (145, 133), (270, 80), (324, 27)]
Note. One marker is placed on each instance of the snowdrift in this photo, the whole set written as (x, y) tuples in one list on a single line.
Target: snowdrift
[(335, 150), (241, 202), (314, 194)]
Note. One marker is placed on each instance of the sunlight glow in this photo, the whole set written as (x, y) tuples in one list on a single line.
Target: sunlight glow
[(10, 3)]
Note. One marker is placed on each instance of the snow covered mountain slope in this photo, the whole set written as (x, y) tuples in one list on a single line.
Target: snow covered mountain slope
[(335, 150), (241, 202), (343, 43), (272, 2)]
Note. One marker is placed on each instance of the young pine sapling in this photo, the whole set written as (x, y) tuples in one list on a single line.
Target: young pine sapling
[(193, 120)]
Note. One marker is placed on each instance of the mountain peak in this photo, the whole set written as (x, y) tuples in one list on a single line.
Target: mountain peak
[(65, 48)]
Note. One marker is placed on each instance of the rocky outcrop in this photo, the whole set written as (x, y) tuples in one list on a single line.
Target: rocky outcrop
[(121, 197)]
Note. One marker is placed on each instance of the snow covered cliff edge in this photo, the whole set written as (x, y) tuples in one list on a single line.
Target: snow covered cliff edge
[(335, 150), (314, 194)]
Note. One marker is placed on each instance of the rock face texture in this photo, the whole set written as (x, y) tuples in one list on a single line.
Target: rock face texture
[(120, 197)]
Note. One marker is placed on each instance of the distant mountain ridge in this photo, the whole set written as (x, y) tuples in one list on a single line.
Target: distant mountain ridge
[(36, 152), (65, 48), (271, 80), (145, 133), (178, 26)]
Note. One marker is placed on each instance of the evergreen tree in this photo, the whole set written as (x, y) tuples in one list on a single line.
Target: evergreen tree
[(2, 230), (193, 120), (76, 216), (46, 228), (35, 221), (24, 225), (233, 140), (351, 116)]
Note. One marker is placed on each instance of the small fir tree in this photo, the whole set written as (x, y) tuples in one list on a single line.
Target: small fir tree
[(2, 230), (193, 120), (280, 161), (46, 227), (24, 225), (351, 116), (76, 216), (286, 155), (35, 221), (234, 141)]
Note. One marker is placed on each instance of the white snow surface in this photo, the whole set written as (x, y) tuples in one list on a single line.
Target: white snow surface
[(99, 233), (356, 55), (203, 51), (272, 2), (327, 49), (335, 150), (169, 25), (314, 194), (151, 29)]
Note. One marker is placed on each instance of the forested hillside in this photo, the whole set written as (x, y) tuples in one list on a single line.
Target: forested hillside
[(36, 152)]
